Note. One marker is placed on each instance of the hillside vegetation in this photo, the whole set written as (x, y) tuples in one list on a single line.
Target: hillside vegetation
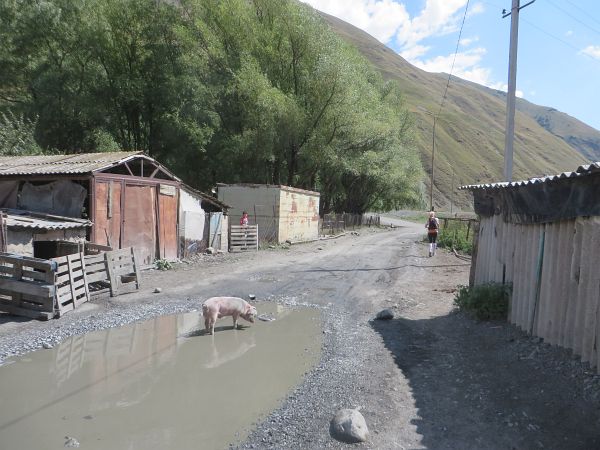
[(219, 91), (470, 128)]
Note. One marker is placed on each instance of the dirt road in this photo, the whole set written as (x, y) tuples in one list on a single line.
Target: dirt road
[(430, 378)]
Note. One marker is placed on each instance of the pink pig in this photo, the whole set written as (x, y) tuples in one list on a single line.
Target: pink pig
[(216, 307)]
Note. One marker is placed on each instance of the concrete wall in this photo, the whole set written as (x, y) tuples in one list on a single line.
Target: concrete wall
[(556, 281), (298, 215), (260, 201), (281, 212), (191, 216)]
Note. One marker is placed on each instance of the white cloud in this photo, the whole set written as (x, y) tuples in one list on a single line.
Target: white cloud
[(379, 18), (593, 51), (465, 42), (388, 20), (569, 33)]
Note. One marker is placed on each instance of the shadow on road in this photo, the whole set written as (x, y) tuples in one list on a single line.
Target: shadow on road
[(472, 389)]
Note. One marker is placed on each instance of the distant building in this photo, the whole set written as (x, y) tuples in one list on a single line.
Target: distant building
[(281, 212)]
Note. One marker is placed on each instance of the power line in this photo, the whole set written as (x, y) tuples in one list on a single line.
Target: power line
[(573, 17), (587, 14), (454, 58), (553, 36)]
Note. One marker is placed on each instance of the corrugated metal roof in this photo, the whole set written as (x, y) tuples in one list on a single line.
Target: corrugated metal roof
[(26, 219), (580, 171), (63, 164)]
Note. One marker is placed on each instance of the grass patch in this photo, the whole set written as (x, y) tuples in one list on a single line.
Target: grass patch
[(484, 302)]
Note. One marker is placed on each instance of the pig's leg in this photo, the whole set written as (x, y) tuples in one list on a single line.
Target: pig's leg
[(206, 324), (235, 319)]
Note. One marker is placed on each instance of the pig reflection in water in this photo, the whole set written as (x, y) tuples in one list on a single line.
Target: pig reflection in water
[(216, 307), (217, 358)]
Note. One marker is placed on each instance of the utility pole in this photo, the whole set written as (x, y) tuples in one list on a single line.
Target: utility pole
[(432, 166), (426, 111), (512, 85)]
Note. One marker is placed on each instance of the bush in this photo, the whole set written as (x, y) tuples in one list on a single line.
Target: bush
[(485, 302), (454, 236), (163, 264)]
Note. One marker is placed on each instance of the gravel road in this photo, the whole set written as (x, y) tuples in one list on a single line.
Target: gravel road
[(429, 378)]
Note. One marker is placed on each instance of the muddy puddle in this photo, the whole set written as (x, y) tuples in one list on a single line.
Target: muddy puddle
[(157, 384)]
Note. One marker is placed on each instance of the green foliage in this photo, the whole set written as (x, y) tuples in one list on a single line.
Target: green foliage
[(454, 236), (163, 264), (485, 302), (16, 136), (218, 90)]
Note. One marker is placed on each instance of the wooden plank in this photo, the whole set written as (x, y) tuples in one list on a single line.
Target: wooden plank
[(16, 310), (124, 252), (27, 287), (136, 268), (93, 259), (26, 261), (97, 276)]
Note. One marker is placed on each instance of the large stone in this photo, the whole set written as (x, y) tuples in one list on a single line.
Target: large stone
[(385, 314), (348, 425)]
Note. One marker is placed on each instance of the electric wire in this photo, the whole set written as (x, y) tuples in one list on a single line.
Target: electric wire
[(595, 30), (454, 59), (587, 14)]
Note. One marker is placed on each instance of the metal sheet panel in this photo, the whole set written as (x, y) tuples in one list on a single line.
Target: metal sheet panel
[(61, 164), (214, 237)]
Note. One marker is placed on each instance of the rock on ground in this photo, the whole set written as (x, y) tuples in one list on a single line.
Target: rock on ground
[(385, 314), (348, 425)]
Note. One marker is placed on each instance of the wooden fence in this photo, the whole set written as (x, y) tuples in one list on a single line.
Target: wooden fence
[(70, 283), (243, 238), (336, 223), (123, 270), (553, 268), (27, 286), (43, 289)]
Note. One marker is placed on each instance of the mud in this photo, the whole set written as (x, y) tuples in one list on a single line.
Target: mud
[(157, 384)]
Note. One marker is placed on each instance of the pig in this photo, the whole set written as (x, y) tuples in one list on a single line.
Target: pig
[(216, 307)]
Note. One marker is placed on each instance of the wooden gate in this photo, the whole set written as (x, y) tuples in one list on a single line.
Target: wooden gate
[(243, 238)]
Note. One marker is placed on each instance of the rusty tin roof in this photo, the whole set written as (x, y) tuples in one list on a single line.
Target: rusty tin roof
[(83, 163)]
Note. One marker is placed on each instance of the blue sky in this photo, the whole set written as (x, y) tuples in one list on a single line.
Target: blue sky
[(559, 44)]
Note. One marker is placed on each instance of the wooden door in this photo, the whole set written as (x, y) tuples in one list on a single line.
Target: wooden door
[(107, 215), (167, 209), (139, 221)]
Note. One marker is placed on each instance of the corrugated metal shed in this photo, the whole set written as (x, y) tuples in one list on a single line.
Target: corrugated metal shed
[(84, 163), (15, 218), (583, 170)]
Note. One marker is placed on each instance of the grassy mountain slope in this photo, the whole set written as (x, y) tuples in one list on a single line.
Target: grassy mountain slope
[(470, 128)]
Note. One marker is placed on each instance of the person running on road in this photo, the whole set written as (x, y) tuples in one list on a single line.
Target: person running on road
[(433, 226)]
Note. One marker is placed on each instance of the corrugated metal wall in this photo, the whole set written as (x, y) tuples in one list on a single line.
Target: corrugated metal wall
[(554, 269)]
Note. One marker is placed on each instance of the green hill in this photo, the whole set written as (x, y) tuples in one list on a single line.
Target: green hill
[(470, 128)]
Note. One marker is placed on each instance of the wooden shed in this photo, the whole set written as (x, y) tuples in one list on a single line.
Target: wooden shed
[(542, 236), (130, 198), (281, 212)]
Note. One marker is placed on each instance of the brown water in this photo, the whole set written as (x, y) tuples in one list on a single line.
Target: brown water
[(158, 384)]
